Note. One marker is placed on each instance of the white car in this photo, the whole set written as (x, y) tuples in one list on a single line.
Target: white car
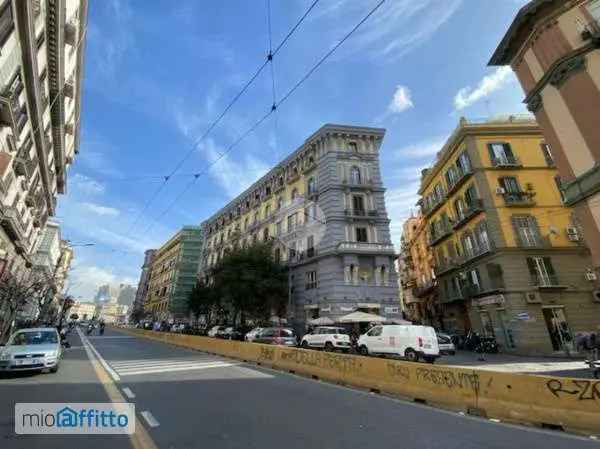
[(215, 330), (251, 336), (34, 349), (327, 337), (445, 344), (409, 341)]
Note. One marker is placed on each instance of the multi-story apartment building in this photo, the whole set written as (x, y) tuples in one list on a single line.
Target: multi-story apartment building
[(84, 310), (141, 294), (418, 280), (324, 208), (508, 258), (174, 274), (41, 66), (554, 48)]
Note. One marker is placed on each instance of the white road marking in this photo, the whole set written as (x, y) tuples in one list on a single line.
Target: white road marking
[(105, 365), (150, 362), (102, 337), (128, 393), (170, 370), (150, 420)]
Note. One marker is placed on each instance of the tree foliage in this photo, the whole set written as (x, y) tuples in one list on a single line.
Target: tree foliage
[(247, 283)]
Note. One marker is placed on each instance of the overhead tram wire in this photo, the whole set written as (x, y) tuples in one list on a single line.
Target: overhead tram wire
[(227, 108), (271, 111)]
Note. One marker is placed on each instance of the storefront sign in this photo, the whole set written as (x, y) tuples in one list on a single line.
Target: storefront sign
[(488, 300), (391, 310)]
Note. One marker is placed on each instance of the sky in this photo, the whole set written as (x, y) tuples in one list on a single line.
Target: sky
[(157, 73)]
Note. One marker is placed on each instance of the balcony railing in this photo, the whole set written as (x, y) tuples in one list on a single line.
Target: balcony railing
[(446, 266), (452, 295), (459, 181), (355, 212), (506, 162), (545, 281), (476, 251), (518, 199), (424, 289), (429, 209), (436, 238), (471, 211), (363, 247), (584, 186)]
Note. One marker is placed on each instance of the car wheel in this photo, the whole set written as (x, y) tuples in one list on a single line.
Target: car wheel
[(411, 355), (429, 359), (54, 369), (329, 347), (363, 350), (304, 344)]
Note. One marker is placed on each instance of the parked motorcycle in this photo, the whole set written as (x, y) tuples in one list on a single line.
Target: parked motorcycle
[(479, 344)]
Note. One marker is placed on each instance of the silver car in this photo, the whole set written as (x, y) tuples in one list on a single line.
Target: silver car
[(34, 349)]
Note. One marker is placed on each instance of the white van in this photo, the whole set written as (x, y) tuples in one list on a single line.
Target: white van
[(412, 342)]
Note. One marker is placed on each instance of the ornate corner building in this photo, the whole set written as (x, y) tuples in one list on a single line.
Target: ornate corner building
[(42, 46), (553, 46), (323, 207)]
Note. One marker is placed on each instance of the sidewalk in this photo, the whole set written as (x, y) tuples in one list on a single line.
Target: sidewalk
[(518, 364)]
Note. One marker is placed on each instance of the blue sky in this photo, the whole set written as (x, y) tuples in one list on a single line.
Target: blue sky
[(158, 72)]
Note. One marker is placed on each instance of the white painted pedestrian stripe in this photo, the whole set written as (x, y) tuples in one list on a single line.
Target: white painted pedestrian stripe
[(128, 393), (149, 366), (150, 420), (88, 345), (102, 337)]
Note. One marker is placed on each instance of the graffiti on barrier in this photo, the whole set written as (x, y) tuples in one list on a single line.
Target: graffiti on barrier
[(398, 371), (337, 362), (266, 354), (583, 390), (451, 379)]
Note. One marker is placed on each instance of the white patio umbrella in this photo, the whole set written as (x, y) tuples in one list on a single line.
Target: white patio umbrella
[(398, 321), (361, 317), (321, 321)]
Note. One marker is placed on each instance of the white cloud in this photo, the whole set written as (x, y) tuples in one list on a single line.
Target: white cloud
[(86, 185), (400, 203), (100, 210), (234, 177), (84, 280), (466, 96), (401, 101), (425, 148)]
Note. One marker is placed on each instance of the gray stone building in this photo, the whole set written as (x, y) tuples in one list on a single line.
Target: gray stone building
[(324, 208), (142, 290)]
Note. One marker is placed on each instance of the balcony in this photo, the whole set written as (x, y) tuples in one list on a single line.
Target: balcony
[(446, 266), (518, 199), (451, 296), (506, 162), (365, 248), (535, 241), (9, 110), (10, 220), (436, 238), (429, 209), (546, 281), (476, 251), (584, 186), (455, 185), (69, 90), (355, 212), (472, 210), (424, 289)]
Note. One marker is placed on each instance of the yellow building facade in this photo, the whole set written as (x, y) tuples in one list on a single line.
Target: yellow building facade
[(509, 258)]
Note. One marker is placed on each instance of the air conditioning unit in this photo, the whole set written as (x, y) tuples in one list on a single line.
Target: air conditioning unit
[(533, 298), (500, 191), (596, 295), (573, 234), (591, 276)]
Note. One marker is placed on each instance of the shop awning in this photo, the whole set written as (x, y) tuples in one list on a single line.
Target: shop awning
[(361, 317), (322, 321)]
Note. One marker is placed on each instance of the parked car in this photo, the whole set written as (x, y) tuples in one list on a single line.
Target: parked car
[(327, 337), (33, 349), (215, 331), (178, 327), (445, 344), (410, 341), (277, 336), (251, 336)]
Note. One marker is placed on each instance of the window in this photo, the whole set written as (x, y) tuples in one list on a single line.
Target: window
[(483, 239), (353, 147), (358, 203), (355, 175), (312, 186), (266, 234), (311, 280), (460, 209), (310, 246), (268, 190), (279, 203), (510, 184), (438, 190), (474, 280), (547, 152), (294, 194), (501, 154), (468, 245), (375, 332), (542, 272), (463, 163), (361, 235), (470, 195), (268, 211), (255, 218), (6, 22), (278, 228), (291, 222), (526, 230), (292, 251), (246, 224), (310, 213)]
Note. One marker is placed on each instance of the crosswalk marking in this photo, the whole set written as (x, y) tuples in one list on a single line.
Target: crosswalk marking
[(149, 366)]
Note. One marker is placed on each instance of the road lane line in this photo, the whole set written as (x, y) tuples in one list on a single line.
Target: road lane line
[(119, 366), (141, 438), (167, 370), (128, 393), (150, 420), (106, 366)]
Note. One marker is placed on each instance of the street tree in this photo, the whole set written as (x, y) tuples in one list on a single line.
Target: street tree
[(204, 301)]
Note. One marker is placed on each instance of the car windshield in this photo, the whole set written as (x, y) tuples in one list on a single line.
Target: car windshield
[(286, 333), (34, 338), (443, 339)]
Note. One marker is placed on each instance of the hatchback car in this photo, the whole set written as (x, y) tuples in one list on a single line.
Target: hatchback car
[(327, 337), (216, 331), (277, 336), (445, 344), (251, 336), (34, 349)]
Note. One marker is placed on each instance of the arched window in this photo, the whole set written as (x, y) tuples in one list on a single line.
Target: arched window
[(294, 194), (353, 147), (355, 175), (312, 186)]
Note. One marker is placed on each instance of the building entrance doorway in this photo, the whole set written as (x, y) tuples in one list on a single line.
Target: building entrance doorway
[(558, 328)]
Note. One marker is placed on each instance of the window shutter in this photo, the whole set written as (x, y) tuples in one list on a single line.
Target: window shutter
[(533, 224), (532, 269), (518, 236), (491, 152), (549, 267), (508, 151)]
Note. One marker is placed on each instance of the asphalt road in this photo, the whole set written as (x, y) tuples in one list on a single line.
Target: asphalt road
[(191, 400)]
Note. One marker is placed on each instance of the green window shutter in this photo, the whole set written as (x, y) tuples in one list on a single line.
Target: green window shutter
[(549, 266), (532, 270), (516, 231)]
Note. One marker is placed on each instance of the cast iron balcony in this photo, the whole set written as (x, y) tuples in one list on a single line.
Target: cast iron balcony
[(506, 162), (436, 238), (518, 199), (429, 209), (546, 281), (471, 211), (477, 251), (425, 289), (365, 248), (459, 181)]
